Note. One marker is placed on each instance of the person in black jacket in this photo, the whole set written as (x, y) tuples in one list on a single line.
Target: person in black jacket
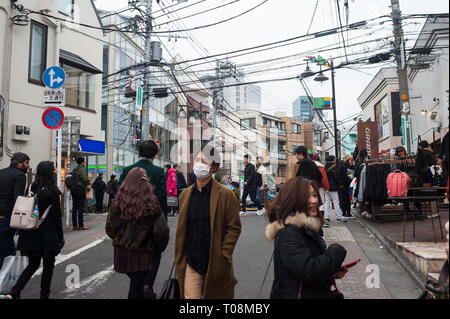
[(12, 184), (191, 178), (332, 194), (47, 241), (303, 266), (424, 159), (444, 155), (344, 186), (112, 188), (181, 181), (250, 185), (99, 188), (306, 167)]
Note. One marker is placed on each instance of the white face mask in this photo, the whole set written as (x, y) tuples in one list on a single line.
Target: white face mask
[(201, 170)]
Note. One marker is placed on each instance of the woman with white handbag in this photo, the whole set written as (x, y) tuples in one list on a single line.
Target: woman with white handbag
[(46, 241)]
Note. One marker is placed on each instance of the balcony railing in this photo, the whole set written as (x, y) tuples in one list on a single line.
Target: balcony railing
[(276, 131), (280, 156)]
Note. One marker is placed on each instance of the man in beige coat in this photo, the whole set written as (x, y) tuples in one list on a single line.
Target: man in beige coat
[(208, 228)]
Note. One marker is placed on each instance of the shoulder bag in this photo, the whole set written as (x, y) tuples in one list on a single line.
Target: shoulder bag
[(171, 288)]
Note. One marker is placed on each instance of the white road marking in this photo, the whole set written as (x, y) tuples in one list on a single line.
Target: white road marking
[(90, 284), (63, 258)]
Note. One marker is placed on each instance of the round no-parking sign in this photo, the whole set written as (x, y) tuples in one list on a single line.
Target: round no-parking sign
[(53, 118)]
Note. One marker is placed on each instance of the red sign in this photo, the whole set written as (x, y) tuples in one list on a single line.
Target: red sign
[(53, 118)]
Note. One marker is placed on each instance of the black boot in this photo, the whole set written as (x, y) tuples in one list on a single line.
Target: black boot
[(15, 294), (45, 296)]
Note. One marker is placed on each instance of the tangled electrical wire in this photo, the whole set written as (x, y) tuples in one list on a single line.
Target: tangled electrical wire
[(20, 19), (2, 103)]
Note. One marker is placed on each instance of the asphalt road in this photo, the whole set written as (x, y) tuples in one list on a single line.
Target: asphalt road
[(251, 258)]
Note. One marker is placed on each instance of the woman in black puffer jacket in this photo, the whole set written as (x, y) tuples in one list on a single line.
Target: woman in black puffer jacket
[(303, 265)]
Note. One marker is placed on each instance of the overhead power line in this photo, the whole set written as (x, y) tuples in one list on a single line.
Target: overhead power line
[(197, 13)]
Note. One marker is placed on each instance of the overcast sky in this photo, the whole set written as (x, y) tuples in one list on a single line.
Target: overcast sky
[(282, 19)]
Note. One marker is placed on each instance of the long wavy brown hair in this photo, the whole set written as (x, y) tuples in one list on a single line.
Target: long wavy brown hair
[(293, 197), (135, 198)]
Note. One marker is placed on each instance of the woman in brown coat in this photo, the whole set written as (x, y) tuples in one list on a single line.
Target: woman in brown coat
[(208, 229), (138, 229)]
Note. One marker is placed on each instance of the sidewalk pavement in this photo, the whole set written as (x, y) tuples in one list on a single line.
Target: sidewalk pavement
[(390, 233), (393, 231)]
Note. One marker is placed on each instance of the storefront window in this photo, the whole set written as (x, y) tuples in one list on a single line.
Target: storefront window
[(79, 86)]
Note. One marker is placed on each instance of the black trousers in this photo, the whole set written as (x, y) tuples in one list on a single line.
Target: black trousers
[(33, 266), (150, 275), (344, 200), (137, 280), (99, 201), (79, 206), (250, 190)]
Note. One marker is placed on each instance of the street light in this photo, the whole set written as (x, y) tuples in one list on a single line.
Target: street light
[(307, 72), (182, 114), (322, 78)]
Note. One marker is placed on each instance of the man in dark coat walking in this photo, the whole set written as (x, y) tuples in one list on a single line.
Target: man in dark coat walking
[(79, 195), (306, 167), (147, 153), (99, 188), (250, 187), (12, 184)]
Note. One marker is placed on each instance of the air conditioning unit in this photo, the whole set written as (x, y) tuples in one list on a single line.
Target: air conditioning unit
[(20, 133)]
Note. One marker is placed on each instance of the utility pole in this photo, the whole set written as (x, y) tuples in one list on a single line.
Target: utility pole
[(147, 57), (218, 83), (402, 71), (333, 100), (201, 125)]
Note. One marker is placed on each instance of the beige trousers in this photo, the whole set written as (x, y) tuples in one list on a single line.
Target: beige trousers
[(193, 284)]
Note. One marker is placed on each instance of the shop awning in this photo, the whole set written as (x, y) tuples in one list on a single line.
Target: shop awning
[(77, 61)]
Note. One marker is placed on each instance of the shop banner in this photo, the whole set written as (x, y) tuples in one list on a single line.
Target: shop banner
[(368, 138)]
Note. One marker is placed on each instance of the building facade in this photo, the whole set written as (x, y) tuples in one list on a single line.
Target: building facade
[(428, 81), (256, 134), (380, 102), (298, 133), (302, 109), (121, 116), (26, 50)]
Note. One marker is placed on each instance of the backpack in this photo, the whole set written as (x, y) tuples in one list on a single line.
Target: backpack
[(397, 184), (25, 215), (324, 182), (71, 180), (109, 189)]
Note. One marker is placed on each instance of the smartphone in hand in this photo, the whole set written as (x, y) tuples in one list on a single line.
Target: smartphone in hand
[(349, 265)]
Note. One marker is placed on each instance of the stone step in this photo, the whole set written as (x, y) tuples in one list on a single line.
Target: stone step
[(433, 277), (428, 258)]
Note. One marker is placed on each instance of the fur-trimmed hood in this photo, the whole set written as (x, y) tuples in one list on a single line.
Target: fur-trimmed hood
[(299, 220)]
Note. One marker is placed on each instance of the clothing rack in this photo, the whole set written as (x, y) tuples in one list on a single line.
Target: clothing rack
[(409, 160)]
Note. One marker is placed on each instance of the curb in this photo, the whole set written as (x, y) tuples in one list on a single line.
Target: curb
[(418, 278)]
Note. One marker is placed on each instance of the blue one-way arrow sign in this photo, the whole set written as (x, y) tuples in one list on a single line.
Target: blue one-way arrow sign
[(54, 77)]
